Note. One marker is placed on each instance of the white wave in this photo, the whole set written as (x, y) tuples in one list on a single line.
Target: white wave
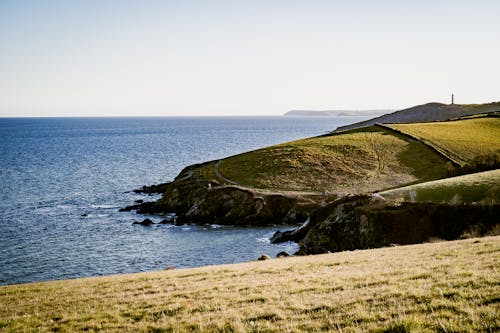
[(264, 240), (103, 206)]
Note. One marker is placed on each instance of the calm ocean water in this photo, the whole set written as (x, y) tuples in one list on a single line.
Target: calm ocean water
[(64, 179)]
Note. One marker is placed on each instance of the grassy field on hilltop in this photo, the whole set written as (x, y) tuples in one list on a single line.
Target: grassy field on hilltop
[(443, 287), (477, 187), (363, 160), (461, 140)]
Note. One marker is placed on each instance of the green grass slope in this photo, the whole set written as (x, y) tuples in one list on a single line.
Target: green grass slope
[(482, 187), (436, 287), (464, 141), (363, 160)]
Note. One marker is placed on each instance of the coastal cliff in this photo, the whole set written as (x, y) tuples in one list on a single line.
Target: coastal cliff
[(195, 199), (351, 190), (348, 223), (368, 221)]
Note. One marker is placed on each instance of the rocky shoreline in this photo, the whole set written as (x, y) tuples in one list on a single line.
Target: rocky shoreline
[(198, 200), (326, 224)]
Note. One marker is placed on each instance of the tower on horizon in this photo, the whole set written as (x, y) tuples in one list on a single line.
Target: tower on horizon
[(452, 99)]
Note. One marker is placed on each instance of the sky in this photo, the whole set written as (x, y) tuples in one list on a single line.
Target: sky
[(259, 57)]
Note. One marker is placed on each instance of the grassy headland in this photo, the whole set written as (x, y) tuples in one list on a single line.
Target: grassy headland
[(366, 159), (434, 287), (362, 160), (287, 183)]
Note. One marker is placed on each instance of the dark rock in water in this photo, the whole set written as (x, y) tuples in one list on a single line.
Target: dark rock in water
[(278, 237), (128, 208), (84, 215), (145, 222), (169, 219), (180, 220), (282, 254), (264, 257), (287, 236), (153, 189), (139, 201), (144, 208), (294, 235)]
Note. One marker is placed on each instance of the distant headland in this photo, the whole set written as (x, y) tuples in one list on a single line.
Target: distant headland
[(337, 113)]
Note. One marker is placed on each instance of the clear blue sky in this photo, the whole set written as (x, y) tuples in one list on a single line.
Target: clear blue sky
[(243, 57)]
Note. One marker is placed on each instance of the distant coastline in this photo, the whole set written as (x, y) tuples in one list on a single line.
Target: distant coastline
[(337, 113)]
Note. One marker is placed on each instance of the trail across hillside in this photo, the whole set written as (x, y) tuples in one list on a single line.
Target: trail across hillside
[(221, 177)]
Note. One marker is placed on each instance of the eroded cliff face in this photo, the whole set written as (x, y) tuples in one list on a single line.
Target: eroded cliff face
[(206, 202), (348, 223), (367, 221), (201, 201)]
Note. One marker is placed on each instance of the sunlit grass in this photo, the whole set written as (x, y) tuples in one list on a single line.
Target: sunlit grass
[(361, 160), (482, 187), (444, 287), (462, 140)]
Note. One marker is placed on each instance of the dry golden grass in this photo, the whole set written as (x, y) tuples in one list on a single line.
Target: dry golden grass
[(461, 140), (443, 287), (362, 160)]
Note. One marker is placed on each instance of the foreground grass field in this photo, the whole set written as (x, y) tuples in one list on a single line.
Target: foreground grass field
[(482, 187), (435, 287), (462, 140), (363, 160)]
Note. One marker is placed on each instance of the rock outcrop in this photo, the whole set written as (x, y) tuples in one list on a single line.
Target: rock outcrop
[(145, 222), (153, 189), (206, 202), (367, 221), (203, 201)]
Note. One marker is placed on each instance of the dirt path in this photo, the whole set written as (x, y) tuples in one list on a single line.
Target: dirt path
[(220, 176), (372, 175), (262, 191), (380, 160), (188, 175)]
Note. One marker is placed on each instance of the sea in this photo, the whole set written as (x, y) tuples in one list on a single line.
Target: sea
[(63, 181)]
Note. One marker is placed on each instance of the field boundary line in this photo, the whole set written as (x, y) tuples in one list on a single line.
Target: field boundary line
[(438, 151)]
